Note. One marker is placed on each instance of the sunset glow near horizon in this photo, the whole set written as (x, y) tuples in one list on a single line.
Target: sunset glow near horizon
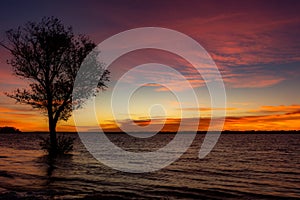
[(255, 45)]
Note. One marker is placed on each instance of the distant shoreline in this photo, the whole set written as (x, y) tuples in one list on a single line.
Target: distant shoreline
[(199, 132)]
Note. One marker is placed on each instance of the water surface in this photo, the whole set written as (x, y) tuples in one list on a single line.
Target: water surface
[(257, 166)]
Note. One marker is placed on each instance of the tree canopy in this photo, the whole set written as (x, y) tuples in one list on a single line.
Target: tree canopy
[(49, 55)]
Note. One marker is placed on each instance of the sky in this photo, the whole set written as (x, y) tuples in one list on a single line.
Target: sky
[(254, 44)]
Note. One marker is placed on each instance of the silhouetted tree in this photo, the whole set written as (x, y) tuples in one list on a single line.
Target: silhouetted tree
[(8, 129), (49, 55)]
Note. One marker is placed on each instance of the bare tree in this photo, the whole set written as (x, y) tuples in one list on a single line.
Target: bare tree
[(49, 55)]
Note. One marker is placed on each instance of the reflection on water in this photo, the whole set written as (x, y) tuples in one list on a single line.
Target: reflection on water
[(240, 166)]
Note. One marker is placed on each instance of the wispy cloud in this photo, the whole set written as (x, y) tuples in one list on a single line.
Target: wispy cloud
[(277, 109), (265, 118), (207, 109), (243, 44)]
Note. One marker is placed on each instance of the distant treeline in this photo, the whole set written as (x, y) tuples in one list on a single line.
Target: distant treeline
[(230, 132), (8, 129), (15, 130), (261, 132)]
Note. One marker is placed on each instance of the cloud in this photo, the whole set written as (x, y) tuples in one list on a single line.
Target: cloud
[(277, 109), (179, 74), (265, 118), (242, 65), (206, 109), (252, 80), (243, 44), (281, 117), (284, 121)]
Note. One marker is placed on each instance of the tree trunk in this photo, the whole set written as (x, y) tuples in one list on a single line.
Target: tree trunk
[(53, 140), (52, 124), (52, 131)]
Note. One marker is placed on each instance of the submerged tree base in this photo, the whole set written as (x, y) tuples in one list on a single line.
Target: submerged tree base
[(64, 145)]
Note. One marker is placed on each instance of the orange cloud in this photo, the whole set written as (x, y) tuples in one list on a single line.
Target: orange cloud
[(144, 122), (279, 118), (169, 124), (282, 117), (207, 109), (267, 122), (274, 109)]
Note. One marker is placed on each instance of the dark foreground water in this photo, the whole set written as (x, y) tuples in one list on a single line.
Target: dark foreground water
[(254, 166)]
